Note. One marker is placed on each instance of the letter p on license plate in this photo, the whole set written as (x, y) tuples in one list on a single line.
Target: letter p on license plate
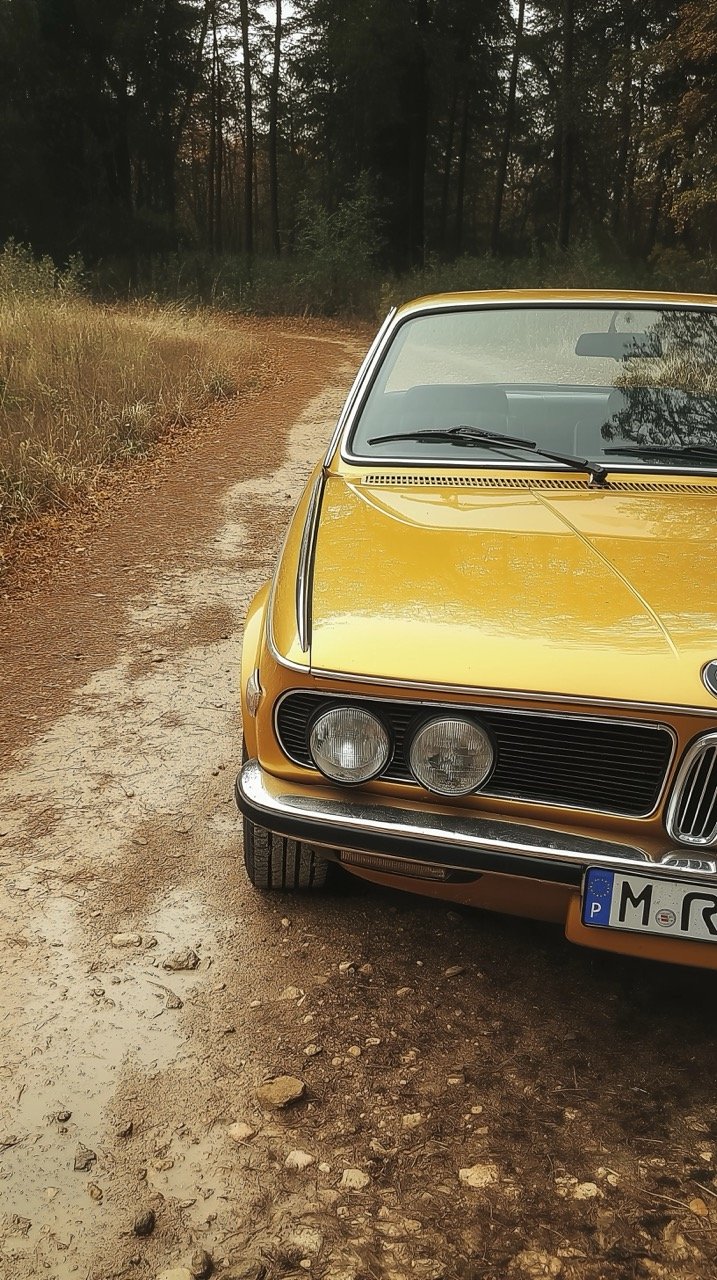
[(644, 904)]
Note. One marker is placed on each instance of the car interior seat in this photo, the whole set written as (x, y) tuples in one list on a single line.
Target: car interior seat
[(454, 405), (589, 438)]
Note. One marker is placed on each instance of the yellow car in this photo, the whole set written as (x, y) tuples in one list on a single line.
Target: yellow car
[(486, 666)]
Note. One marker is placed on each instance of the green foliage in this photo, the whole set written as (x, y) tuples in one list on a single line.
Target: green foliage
[(337, 251), (23, 275), (583, 266), (332, 272), (340, 276)]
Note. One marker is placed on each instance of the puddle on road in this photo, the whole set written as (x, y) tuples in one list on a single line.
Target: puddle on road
[(76, 1035)]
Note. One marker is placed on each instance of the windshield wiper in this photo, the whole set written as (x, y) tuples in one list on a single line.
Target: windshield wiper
[(467, 436), (665, 450)]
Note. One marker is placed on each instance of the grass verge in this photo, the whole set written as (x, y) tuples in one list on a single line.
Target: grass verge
[(83, 385)]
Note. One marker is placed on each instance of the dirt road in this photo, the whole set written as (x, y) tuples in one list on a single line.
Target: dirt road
[(578, 1092)]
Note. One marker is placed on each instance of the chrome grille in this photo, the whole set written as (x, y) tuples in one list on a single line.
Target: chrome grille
[(577, 762), (692, 815)]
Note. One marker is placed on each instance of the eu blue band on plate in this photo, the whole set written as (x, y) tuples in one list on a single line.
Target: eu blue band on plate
[(597, 899)]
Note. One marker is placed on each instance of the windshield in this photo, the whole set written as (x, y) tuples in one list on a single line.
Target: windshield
[(601, 382)]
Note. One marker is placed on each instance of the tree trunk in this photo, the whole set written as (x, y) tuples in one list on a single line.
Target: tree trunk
[(507, 133), (462, 162), (618, 192), (248, 132), (630, 219), (211, 156), (219, 144), (418, 141), (655, 211), (565, 196), (196, 70), (273, 135), (447, 166)]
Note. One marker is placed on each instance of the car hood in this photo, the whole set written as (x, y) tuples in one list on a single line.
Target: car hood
[(608, 594)]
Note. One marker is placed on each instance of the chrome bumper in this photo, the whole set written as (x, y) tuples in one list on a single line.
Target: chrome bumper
[(466, 844)]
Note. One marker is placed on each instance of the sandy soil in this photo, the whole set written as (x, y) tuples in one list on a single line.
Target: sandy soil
[(578, 1090)]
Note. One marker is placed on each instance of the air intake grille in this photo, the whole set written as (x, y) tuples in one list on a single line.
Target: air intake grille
[(421, 480), (605, 766), (692, 815)]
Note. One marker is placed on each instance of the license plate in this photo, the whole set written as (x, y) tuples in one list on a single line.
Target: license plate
[(641, 904)]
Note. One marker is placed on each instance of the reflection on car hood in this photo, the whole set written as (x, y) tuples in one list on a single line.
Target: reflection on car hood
[(603, 594)]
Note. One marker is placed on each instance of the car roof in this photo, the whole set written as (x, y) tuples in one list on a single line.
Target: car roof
[(475, 298)]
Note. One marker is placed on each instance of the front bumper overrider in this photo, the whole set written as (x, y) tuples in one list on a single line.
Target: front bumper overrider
[(464, 844)]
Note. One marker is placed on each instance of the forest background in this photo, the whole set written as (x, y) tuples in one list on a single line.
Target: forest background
[(166, 162), (330, 155)]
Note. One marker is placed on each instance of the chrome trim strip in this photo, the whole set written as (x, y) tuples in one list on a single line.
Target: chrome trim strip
[(350, 677), (686, 861), (499, 299), (515, 711), (505, 464), (278, 657), (303, 604), (304, 571), (706, 742), (278, 800), (357, 382)]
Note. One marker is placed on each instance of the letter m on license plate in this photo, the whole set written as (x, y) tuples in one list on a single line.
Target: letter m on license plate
[(641, 904)]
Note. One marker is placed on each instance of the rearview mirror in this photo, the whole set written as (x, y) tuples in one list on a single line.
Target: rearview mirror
[(618, 346)]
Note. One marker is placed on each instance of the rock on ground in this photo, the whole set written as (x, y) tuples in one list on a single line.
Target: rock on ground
[(280, 1091), (479, 1175), (354, 1179)]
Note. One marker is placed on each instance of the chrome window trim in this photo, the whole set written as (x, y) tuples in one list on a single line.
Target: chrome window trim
[(304, 571), (705, 740), (505, 464), (356, 385), (573, 302), (446, 706)]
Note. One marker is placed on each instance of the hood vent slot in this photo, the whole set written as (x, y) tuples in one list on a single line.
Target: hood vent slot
[(425, 480)]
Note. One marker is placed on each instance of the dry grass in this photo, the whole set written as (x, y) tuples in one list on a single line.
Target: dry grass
[(82, 386)]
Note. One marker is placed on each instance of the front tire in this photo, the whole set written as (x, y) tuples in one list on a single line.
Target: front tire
[(275, 862)]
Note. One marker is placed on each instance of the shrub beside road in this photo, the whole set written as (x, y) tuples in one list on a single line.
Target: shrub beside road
[(84, 385)]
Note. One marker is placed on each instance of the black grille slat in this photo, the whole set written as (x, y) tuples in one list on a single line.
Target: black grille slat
[(604, 766)]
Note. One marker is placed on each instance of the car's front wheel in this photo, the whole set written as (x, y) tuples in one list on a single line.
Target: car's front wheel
[(274, 862)]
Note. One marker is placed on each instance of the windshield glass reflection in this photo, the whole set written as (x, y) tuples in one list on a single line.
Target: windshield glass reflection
[(601, 382)]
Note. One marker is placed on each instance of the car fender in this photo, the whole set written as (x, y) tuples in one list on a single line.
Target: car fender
[(251, 649)]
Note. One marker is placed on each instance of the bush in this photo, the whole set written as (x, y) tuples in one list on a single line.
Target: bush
[(331, 273), (338, 254), (82, 385), (22, 275)]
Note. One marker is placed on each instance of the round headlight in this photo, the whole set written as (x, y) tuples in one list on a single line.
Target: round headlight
[(451, 756), (349, 744)]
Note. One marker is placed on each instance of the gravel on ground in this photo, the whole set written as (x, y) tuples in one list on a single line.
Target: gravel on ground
[(197, 1079)]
